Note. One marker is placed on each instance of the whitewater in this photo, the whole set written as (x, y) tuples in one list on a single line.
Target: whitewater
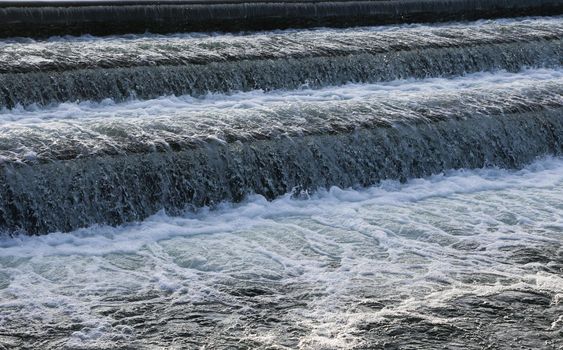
[(461, 259), (384, 187)]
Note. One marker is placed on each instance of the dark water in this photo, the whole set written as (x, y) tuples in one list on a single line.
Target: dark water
[(41, 19)]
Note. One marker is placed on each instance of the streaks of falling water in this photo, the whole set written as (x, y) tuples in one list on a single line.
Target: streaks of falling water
[(466, 260), (147, 67), (37, 18), (65, 174)]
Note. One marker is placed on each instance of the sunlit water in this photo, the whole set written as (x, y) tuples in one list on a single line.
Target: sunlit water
[(466, 259), (143, 131)]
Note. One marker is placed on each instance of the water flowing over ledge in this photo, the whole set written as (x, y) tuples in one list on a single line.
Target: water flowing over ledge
[(61, 175), (120, 68), (105, 17), (393, 187), (478, 253)]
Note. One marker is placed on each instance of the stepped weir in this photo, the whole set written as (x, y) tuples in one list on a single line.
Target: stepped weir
[(40, 18), (75, 151)]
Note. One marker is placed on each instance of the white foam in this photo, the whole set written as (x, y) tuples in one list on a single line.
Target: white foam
[(204, 35), (401, 245), (257, 211), (411, 89)]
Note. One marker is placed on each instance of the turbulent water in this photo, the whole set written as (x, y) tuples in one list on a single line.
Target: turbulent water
[(467, 260), (395, 187), (64, 169), (61, 70)]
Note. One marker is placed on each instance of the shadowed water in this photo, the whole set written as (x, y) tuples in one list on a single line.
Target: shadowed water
[(45, 18)]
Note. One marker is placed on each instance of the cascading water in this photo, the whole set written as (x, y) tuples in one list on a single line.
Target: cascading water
[(401, 187), (147, 67), (103, 17), (52, 171), (62, 174)]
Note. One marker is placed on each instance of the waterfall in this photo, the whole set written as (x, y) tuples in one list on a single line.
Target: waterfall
[(112, 170), (45, 73)]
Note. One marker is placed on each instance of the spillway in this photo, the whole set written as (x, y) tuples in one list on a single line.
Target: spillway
[(308, 177), (62, 174), (113, 130), (142, 67), (40, 18)]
